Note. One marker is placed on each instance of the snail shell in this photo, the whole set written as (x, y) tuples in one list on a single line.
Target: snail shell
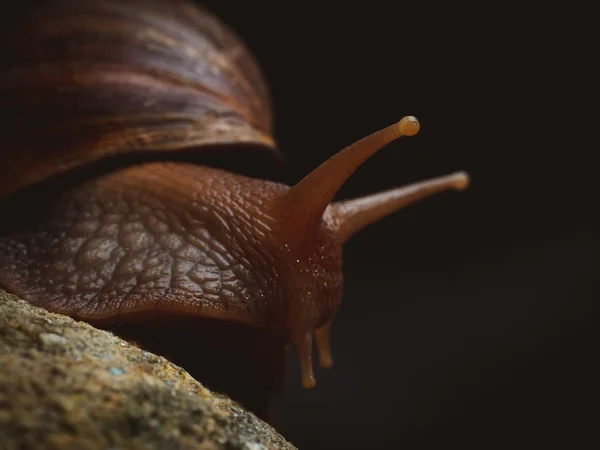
[(81, 81)]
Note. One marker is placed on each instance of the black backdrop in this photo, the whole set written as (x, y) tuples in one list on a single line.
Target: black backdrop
[(471, 315)]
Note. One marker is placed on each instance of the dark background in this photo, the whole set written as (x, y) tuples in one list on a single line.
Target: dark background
[(470, 316)]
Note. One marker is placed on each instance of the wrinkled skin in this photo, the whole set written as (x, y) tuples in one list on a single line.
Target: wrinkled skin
[(171, 249)]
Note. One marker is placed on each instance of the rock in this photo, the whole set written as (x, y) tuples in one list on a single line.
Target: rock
[(67, 385)]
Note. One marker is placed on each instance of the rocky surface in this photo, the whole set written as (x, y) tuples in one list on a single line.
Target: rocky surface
[(67, 385)]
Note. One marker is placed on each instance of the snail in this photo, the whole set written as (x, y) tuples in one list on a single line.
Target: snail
[(110, 216)]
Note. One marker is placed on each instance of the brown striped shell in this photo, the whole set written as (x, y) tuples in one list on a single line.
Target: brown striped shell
[(82, 80)]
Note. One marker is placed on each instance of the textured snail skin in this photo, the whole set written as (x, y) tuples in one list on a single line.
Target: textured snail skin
[(173, 237), (185, 241)]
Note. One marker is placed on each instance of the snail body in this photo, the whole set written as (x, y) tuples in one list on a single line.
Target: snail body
[(168, 249)]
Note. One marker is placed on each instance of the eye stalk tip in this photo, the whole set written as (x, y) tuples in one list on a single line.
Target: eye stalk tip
[(461, 181), (409, 126)]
